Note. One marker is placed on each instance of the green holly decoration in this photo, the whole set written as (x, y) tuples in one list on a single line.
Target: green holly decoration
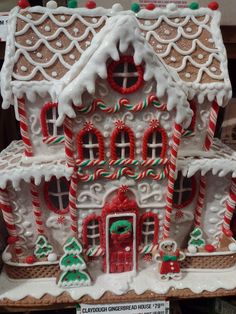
[(135, 7), (72, 265), (43, 248), (196, 238), (72, 4), (194, 6)]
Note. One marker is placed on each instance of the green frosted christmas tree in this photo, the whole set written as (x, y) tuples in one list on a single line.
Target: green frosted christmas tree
[(196, 238), (43, 248), (72, 265)]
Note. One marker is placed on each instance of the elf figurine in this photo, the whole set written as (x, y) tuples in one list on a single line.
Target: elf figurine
[(170, 257)]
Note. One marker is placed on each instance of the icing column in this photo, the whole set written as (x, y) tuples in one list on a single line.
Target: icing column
[(36, 205), (200, 201), (230, 207), (8, 217), (24, 129), (211, 126), (72, 203), (171, 179)]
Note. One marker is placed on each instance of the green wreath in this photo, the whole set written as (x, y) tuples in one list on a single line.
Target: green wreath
[(121, 227)]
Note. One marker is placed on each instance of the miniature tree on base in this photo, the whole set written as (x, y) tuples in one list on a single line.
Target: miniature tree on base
[(72, 265), (196, 238), (43, 248)]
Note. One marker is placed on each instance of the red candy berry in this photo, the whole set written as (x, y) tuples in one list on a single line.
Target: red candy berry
[(228, 233), (11, 240), (150, 6), (91, 5), (23, 4), (213, 5), (210, 248), (30, 259)]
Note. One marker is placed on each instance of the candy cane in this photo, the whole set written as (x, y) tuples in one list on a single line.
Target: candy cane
[(36, 206), (122, 161), (69, 150), (24, 129), (52, 140), (200, 201), (212, 125), (9, 220), (171, 178), (72, 203), (149, 248), (95, 251), (90, 162), (230, 207)]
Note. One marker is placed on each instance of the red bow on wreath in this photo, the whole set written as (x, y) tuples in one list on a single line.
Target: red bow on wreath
[(121, 237)]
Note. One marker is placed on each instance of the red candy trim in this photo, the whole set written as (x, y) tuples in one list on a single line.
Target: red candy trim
[(154, 128), (11, 240), (97, 133), (156, 226), (122, 128), (210, 248), (213, 5), (23, 4), (43, 119), (91, 5), (150, 6), (118, 88), (86, 221)]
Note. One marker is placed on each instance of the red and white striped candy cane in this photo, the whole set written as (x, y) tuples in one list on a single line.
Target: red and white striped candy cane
[(72, 203), (24, 128), (200, 201), (69, 150), (8, 217), (211, 126), (36, 206), (230, 207), (171, 179)]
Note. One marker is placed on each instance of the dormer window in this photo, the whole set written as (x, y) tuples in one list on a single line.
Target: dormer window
[(90, 143), (52, 134), (124, 75), (154, 142)]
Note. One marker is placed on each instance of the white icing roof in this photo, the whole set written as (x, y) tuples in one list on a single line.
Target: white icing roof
[(14, 167), (119, 34), (41, 41), (220, 160)]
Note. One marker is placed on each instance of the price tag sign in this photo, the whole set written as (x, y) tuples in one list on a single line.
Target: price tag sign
[(3, 27), (155, 307)]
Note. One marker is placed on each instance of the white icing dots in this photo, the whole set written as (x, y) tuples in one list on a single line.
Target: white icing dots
[(52, 257), (192, 249), (28, 42), (171, 6), (173, 59), (210, 40), (166, 32), (59, 44), (87, 43), (200, 56), (159, 46), (47, 28), (177, 20), (75, 30), (94, 20), (54, 74), (147, 23), (213, 69), (232, 247), (188, 29), (62, 17), (29, 16), (6, 257), (51, 4), (72, 56), (187, 75), (39, 55), (23, 68)]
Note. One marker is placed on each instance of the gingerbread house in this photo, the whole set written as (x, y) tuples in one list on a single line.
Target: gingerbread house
[(117, 111)]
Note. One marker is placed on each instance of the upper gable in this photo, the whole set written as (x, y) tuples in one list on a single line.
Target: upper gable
[(46, 43)]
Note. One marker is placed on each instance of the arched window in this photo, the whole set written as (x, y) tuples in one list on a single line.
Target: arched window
[(122, 142), (154, 142), (149, 228), (124, 75), (52, 134), (191, 129), (184, 191), (56, 193), (91, 230), (90, 143)]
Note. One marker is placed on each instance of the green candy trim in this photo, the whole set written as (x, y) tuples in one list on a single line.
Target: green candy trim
[(135, 7), (194, 6)]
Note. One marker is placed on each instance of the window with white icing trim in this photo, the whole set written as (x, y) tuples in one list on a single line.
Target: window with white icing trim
[(91, 230), (56, 193), (124, 76), (122, 143), (52, 134), (149, 228), (184, 191), (154, 145), (90, 146)]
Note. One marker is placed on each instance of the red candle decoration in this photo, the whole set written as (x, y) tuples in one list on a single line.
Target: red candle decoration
[(91, 5), (30, 259), (11, 240), (150, 6), (210, 248), (213, 5), (23, 4)]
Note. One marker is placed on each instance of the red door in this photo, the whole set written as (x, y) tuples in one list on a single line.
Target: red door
[(121, 243)]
